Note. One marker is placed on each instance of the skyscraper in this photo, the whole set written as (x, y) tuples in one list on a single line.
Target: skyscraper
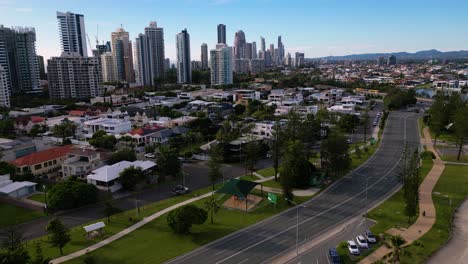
[(150, 58), (262, 44), (19, 59), (391, 60), (254, 50), (204, 56), (299, 60), (280, 54), (184, 69), (42, 73), (74, 76), (122, 52), (248, 50), (221, 65), (72, 33), (108, 67), (222, 33), (4, 88), (239, 45)]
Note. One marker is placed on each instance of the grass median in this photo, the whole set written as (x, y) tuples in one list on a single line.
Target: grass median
[(13, 215)]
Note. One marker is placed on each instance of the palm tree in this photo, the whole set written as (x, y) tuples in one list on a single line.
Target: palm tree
[(212, 207), (396, 245)]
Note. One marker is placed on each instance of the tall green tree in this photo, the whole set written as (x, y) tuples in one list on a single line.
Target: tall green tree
[(214, 164), (212, 207), (411, 180), (461, 128), (395, 244), (296, 169), (181, 219), (59, 235), (130, 177), (365, 123), (168, 162), (110, 210), (335, 154), (252, 153), (276, 147)]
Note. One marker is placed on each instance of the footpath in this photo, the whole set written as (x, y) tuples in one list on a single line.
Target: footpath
[(427, 213)]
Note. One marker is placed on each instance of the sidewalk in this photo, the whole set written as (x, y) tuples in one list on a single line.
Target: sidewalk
[(424, 223), (126, 231)]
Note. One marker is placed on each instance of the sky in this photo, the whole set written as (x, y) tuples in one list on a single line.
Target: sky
[(316, 27)]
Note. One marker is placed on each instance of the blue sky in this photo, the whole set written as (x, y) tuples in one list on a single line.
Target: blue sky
[(316, 27)]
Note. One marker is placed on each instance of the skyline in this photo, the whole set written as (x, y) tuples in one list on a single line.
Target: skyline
[(334, 27)]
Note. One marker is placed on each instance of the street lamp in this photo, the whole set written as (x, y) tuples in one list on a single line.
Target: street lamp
[(44, 187), (297, 223)]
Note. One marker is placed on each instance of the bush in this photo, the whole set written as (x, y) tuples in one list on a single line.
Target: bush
[(71, 193), (125, 154), (427, 155), (182, 219)]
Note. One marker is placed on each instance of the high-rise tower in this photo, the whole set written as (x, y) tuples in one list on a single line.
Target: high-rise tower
[(72, 33)]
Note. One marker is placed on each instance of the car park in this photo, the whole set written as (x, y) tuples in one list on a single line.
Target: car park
[(179, 189), (370, 237), (361, 242), (352, 248), (333, 256)]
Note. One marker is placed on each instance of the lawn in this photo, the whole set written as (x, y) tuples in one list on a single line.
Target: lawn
[(12, 215), (272, 184), (421, 125), (454, 183), (453, 158), (155, 242), (249, 178), (118, 223), (38, 197), (268, 172)]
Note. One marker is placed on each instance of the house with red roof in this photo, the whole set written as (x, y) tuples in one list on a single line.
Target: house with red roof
[(143, 134), (44, 162), (26, 123)]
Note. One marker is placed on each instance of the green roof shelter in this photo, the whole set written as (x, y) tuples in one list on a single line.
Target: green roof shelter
[(239, 188)]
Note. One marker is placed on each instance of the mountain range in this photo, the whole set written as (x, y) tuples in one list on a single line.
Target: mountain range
[(420, 55)]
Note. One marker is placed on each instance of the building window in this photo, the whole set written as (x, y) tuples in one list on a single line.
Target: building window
[(38, 166)]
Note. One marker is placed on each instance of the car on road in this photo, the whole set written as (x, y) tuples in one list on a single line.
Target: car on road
[(150, 155), (370, 237), (180, 189), (362, 242), (333, 256), (184, 160), (379, 114), (349, 140), (352, 248)]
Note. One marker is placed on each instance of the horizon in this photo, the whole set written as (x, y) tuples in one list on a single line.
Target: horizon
[(336, 28)]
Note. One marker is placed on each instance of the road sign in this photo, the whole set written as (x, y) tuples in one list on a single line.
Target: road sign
[(273, 198)]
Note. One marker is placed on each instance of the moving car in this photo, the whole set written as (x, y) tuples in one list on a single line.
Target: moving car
[(333, 256), (179, 189), (361, 242), (370, 237), (353, 249), (150, 155)]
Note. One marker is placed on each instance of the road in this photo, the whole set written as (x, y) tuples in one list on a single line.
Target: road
[(196, 179), (346, 199)]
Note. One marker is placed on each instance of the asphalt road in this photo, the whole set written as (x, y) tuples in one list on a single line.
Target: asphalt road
[(346, 199), (196, 179)]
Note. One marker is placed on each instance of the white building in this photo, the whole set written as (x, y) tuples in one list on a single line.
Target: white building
[(221, 64), (149, 55), (246, 94), (72, 33), (108, 67), (106, 177), (4, 88), (109, 125), (16, 189)]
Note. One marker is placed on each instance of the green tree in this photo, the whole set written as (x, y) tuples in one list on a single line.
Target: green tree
[(7, 168), (35, 130), (7, 128), (348, 122), (410, 176), (12, 238), (100, 139), (276, 147), (130, 177), (71, 193), (168, 162), (66, 129), (335, 154), (212, 207), (110, 210), (59, 235), (357, 151), (214, 164), (39, 257), (461, 128), (395, 244), (365, 123), (252, 153), (127, 154), (181, 219)]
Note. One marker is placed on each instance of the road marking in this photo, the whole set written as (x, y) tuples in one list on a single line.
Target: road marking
[(281, 242), (243, 261), (220, 251)]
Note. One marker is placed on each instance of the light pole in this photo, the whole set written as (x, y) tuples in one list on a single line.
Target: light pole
[(297, 223), (44, 187)]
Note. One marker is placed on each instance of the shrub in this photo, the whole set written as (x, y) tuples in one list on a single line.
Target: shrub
[(182, 219), (427, 155)]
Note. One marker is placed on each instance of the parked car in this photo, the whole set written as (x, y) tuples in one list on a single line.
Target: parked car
[(333, 256), (150, 155), (349, 140), (184, 160), (353, 249), (370, 237), (179, 189), (361, 242)]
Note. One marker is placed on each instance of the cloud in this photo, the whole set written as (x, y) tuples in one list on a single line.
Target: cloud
[(23, 9)]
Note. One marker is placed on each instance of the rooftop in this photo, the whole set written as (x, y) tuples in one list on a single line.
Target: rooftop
[(42, 156)]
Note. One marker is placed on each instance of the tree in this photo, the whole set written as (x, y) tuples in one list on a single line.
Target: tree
[(214, 164), (212, 206), (461, 128), (365, 123), (110, 210), (410, 176), (65, 129), (348, 122), (12, 238), (335, 153), (438, 118), (357, 151), (100, 139), (182, 219), (130, 177), (127, 154), (252, 153), (7, 128), (59, 235), (296, 169), (277, 147), (7, 168), (35, 130), (39, 257), (396, 245), (168, 162), (71, 193)]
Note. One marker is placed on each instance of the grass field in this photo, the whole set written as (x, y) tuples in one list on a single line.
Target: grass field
[(268, 172), (118, 223), (38, 197), (454, 183), (453, 158), (272, 184), (249, 178), (13, 215), (155, 242)]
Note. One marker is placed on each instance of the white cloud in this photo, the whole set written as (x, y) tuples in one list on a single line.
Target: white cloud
[(23, 9)]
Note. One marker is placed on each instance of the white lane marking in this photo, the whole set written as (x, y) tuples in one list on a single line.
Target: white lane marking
[(220, 251), (243, 261), (281, 242)]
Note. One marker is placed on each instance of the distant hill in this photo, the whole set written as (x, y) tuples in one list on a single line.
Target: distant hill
[(420, 55)]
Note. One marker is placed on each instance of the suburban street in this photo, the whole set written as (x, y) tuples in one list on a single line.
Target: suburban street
[(346, 199), (196, 178)]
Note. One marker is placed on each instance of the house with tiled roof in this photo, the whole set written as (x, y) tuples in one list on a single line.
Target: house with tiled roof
[(44, 162), (143, 134), (26, 123)]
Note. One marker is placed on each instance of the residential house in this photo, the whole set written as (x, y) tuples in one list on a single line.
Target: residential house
[(143, 134), (26, 123), (80, 162), (16, 189), (111, 126), (107, 177)]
